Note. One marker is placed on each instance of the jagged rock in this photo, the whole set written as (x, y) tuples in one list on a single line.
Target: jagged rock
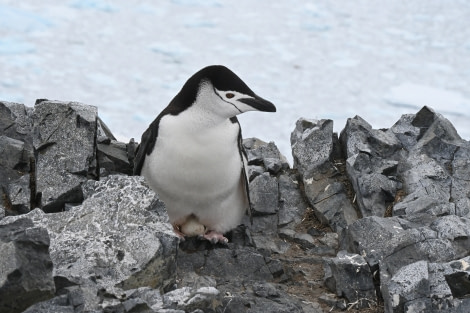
[(314, 149), (189, 299), (349, 276), (459, 283), (58, 304), (292, 205), (14, 175), (371, 165), (264, 154), (113, 157), (19, 195), (409, 287), (26, 267), (312, 145), (331, 205), (16, 122), (357, 237), (397, 242), (64, 141), (333, 302), (264, 194), (423, 210), (119, 237)]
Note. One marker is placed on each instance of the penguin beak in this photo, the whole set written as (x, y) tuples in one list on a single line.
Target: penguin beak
[(259, 104)]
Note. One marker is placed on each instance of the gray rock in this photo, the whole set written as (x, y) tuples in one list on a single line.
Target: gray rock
[(19, 195), (422, 210), (332, 206), (357, 237), (264, 194), (359, 136), (312, 145), (64, 140), (408, 288), (374, 190), (14, 173), (425, 177), (405, 131), (114, 239), (113, 158), (331, 301), (448, 281), (349, 276), (26, 267), (459, 283), (2, 212), (292, 205), (189, 300), (313, 148), (264, 154), (371, 165), (58, 304), (16, 122)]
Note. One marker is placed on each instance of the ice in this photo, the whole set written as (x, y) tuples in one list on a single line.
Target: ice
[(94, 5), (415, 96), (316, 59), (15, 46)]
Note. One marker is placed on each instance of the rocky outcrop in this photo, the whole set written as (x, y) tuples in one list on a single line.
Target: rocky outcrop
[(375, 220)]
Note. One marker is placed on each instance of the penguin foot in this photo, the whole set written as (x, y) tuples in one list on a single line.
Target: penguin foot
[(214, 237)]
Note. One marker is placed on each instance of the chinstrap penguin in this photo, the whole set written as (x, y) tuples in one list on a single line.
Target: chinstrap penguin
[(192, 155)]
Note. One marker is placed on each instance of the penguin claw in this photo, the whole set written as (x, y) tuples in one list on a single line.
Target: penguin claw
[(176, 229), (214, 237)]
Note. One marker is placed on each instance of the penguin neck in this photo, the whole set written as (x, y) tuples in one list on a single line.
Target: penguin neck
[(203, 119)]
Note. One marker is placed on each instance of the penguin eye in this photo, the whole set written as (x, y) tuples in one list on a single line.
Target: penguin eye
[(229, 95)]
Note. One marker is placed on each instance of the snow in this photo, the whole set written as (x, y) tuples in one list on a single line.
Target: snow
[(313, 59)]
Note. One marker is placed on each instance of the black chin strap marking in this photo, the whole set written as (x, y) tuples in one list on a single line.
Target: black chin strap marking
[(215, 91)]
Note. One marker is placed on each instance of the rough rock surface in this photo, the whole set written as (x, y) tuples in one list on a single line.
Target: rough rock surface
[(377, 220), (16, 157), (26, 267), (118, 239)]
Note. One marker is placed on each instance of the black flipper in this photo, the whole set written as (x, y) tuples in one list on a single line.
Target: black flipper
[(243, 159)]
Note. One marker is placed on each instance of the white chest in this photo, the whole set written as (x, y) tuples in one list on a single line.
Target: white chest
[(191, 160)]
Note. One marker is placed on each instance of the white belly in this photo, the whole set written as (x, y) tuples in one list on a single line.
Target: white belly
[(198, 172)]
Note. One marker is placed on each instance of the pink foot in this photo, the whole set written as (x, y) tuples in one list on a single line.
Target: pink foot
[(215, 237), (176, 229)]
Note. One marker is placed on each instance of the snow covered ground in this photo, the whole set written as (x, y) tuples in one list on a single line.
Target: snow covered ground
[(316, 59)]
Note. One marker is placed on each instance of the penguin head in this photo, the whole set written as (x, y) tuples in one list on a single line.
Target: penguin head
[(217, 90)]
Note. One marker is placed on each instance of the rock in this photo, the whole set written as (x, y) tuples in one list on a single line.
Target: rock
[(64, 140), (15, 160), (113, 157), (58, 304), (264, 154), (357, 238), (332, 206), (16, 122), (264, 194), (26, 267), (19, 195), (371, 165), (292, 205), (349, 276), (459, 283), (115, 239), (312, 145), (188, 299), (409, 287), (333, 302), (314, 149)]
